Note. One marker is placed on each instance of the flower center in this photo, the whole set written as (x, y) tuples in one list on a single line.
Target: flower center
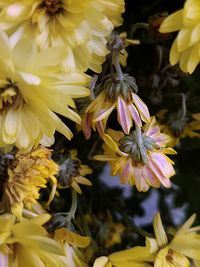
[(10, 95), (137, 145), (53, 6)]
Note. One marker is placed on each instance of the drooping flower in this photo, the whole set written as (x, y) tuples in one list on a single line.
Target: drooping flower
[(27, 243), (72, 244), (31, 90), (183, 245), (139, 157), (72, 171), (133, 257), (178, 128), (27, 174), (82, 27), (120, 95), (185, 48)]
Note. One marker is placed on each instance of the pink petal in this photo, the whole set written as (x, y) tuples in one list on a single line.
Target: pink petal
[(163, 164), (100, 128), (103, 113), (157, 172), (124, 178), (142, 108), (151, 178), (87, 125), (123, 115), (140, 180), (135, 115)]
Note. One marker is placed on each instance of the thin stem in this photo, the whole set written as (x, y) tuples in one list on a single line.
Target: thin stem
[(184, 107), (134, 227), (73, 208), (142, 150), (92, 86), (138, 25), (115, 62)]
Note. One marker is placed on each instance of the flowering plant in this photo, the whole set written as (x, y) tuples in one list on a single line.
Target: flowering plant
[(99, 133)]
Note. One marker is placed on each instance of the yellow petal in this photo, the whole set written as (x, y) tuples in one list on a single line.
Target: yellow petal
[(159, 231), (72, 238), (173, 22), (100, 262), (174, 53)]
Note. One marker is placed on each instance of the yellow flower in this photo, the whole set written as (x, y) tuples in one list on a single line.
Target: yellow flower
[(27, 243), (185, 48), (139, 158), (72, 172), (72, 244), (133, 257), (82, 27), (182, 246), (27, 174), (31, 90)]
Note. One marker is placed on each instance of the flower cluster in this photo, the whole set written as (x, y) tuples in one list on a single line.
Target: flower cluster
[(63, 67)]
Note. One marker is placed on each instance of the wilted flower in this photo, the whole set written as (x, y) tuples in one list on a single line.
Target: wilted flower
[(72, 171), (80, 26), (27, 174), (178, 128), (179, 249), (27, 243), (118, 94), (139, 157), (185, 48), (31, 90), (106, 230)]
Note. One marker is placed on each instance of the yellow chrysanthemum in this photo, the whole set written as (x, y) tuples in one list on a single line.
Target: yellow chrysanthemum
[(133, 257), (27, 243), (185, 48), (80, 26), (27, 174), (31, 90), (183, 245), (139, 158)]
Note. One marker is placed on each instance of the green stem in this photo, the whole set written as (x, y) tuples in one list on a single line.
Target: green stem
[(138, 25), (73, 208), (115, 62), (184, 108), (92, 86), (142, 150)]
